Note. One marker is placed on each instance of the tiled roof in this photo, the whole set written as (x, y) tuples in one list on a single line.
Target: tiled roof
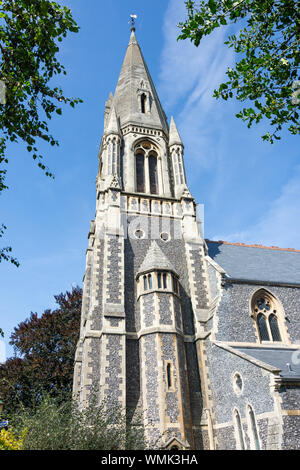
[(253, 246), (287, 360), (256, 262)]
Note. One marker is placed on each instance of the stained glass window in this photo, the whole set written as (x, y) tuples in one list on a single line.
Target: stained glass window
[(265, 310)]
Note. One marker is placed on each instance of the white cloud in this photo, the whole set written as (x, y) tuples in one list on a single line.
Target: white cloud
[(216, 142), (189, 75), (280, 225)]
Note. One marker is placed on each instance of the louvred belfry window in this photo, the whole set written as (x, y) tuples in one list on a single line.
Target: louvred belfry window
[(153, 173), (147, 167), (140, 172)]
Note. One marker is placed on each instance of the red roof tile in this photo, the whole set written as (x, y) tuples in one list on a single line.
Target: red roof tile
[(253, 246)]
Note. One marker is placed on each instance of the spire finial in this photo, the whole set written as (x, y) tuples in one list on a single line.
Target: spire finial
[(132, 22)]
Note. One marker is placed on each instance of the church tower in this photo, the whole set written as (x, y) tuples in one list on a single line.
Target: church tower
[(146, 296)]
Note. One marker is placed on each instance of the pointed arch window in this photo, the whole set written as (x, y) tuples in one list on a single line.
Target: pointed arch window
[(239, 431), (253, 428), (147, 168), (267, 314), (140, 172)]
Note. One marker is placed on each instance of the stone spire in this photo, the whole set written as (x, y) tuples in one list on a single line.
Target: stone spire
[(135, 84), (174, 137), (107, 110), (176, 149), (113, 123)]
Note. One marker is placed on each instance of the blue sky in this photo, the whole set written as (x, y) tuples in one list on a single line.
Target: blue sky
[(250, 189)]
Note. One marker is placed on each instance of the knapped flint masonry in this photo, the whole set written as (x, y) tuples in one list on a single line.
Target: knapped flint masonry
[(199, 337)]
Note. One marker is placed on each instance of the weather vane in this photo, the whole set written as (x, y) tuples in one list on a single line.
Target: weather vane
[(132, 21)]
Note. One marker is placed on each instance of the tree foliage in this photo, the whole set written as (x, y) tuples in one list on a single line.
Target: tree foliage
[(5, 252), (267, 45), (45, 349), (30, 31)]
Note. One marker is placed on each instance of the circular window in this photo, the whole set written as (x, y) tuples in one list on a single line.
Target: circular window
[(237, 384), (165, 236), (139, 234)]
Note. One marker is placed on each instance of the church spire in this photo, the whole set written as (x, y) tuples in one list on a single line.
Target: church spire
[(176, 149), (174, 137), (135, 98), (113, 124), (132, 39)]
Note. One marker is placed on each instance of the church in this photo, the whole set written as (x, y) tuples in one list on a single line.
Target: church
[(199, 337)]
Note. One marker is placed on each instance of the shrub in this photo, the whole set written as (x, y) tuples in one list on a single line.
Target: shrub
[(9, 440), (56, 426)]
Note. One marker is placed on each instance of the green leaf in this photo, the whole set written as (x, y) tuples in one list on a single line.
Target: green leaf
[(267, 56), (212, 6)]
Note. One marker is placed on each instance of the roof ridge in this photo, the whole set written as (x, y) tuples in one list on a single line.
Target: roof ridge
[(253, 245)]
